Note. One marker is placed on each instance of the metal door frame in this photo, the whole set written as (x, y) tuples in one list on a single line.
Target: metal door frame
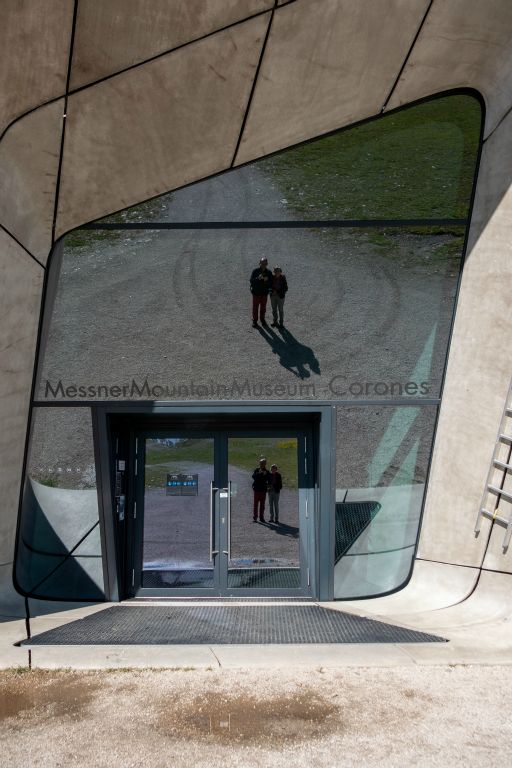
[(319, 417), (220, 511)]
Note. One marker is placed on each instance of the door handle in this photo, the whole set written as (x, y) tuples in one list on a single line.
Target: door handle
[(228, 552), (212, 491)]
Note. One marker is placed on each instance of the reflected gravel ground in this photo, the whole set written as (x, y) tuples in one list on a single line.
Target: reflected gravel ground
[(172, 308), (424, 716)]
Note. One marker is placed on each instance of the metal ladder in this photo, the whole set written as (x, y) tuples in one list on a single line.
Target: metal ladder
[(501, 464)]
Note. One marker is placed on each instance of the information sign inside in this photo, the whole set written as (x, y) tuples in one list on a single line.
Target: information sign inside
[(182, 485)]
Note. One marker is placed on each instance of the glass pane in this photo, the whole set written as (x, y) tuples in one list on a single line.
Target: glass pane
[(168, 316), (381, 468), (264, 549), (176, 543), (418, 162), (59, 549)]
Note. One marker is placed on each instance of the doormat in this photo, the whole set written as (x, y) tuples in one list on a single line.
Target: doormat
[(226, 625), (352, 517)]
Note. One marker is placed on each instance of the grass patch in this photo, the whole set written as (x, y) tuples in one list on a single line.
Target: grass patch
[(151, 210), (244, 453), (416, 163), (49, 480)]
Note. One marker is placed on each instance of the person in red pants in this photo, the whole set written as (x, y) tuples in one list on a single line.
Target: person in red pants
[(261, 283), (260, 482)]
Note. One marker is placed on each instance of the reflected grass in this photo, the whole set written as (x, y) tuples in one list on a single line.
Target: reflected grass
[(415, 163), (244, 454), (151, 210)]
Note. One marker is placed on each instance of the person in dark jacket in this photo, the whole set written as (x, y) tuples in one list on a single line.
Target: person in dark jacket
[(261, 283), (275, 486), (260, 485), (279, 286)]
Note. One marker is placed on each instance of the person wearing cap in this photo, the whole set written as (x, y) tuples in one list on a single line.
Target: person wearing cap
[(261, 283), (278, 289), (260, 484), (274, 489)]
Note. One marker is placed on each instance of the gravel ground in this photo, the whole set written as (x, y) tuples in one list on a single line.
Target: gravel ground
[(424, 716)]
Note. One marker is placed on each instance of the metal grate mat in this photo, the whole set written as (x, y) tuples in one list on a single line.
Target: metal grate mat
[(221, 625)]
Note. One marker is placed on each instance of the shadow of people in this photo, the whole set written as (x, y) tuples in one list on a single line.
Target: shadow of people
[(283, 530), (294, 356)]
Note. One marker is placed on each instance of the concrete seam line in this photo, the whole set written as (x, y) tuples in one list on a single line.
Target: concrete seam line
[(22, 246), (170, 50), (253, 87), (500, 121), (127, 69), (63, 128), (408, 55), (445, 562)]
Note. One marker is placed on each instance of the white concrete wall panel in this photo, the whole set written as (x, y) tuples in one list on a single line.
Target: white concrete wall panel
[(120, 33), (34, 54), (21, 280), (29, 162), (327, 63), (463, 43), (479, 370), (159, 126), (432, 586)]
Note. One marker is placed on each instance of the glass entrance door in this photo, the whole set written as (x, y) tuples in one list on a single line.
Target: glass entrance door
[(264, 551), (178, 521), (222, 512)]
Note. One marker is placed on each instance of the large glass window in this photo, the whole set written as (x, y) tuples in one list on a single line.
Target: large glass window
[(59, 550), (368, 226), (382, 459), (166, 315)]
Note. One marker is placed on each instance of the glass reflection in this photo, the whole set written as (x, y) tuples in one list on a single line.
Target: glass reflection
[(264, 551), (59, 549), (176, 544), (381, 468), (418, 162), (168, 316)]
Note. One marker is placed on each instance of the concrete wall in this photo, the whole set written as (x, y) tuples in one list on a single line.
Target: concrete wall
[(171, 92)]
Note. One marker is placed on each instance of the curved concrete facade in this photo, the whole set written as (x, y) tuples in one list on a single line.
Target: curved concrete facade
[(88, 133)]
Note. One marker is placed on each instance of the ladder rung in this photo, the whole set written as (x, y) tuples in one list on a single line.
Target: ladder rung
[(501, 464), (505, 438), (500, 492), (493, 516)]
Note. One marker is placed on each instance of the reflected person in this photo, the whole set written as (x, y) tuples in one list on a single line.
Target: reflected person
[(274, 490), (260, 283), (260, 484), (277, 294)]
